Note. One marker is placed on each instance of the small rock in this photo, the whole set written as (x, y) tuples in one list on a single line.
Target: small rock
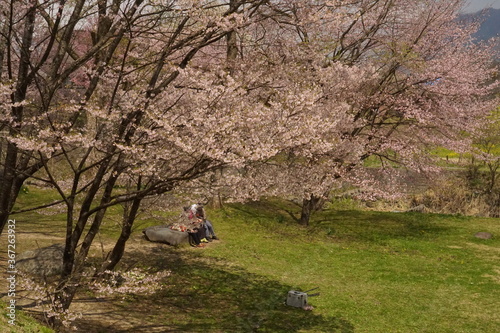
[(419, 209), (483, 235)]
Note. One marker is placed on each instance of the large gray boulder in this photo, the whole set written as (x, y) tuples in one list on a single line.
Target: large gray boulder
[(45, 261), (163, 234)]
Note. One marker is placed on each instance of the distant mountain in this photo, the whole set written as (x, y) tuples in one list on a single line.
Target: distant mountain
[(490, 26)]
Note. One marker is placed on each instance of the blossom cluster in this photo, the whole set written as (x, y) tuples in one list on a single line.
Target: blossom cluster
[(135, 281), (43, 294)]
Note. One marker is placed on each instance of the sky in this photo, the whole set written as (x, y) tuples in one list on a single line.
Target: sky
[(476, 5)]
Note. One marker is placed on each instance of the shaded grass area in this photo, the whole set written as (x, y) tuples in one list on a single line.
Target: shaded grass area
[(376, 272), (204, 294)]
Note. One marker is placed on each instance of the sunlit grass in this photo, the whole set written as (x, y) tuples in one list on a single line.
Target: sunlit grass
[(381, 272)]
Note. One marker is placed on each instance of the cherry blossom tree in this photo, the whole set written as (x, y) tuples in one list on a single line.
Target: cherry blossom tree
[(94, 98), (118, 101), (40, 58), (394, 80)]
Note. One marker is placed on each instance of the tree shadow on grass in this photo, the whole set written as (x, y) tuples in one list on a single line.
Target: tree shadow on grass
[(351, 225), (378, 226), (204, 295)]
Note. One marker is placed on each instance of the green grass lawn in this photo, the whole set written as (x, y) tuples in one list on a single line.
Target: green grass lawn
[(376, 272)]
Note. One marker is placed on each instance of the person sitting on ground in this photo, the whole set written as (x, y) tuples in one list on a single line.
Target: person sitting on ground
[(194, 238), (199, 212), (195, 230)]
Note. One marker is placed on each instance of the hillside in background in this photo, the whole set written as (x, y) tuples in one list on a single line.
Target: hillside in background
[(490, 26)]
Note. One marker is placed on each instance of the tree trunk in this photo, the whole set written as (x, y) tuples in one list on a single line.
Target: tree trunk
[(8, 193), (309, 206), (10, 182), (305, 215), (231, 41), (128, 220)]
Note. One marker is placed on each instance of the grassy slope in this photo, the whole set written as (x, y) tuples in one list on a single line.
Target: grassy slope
[(377, 272)]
